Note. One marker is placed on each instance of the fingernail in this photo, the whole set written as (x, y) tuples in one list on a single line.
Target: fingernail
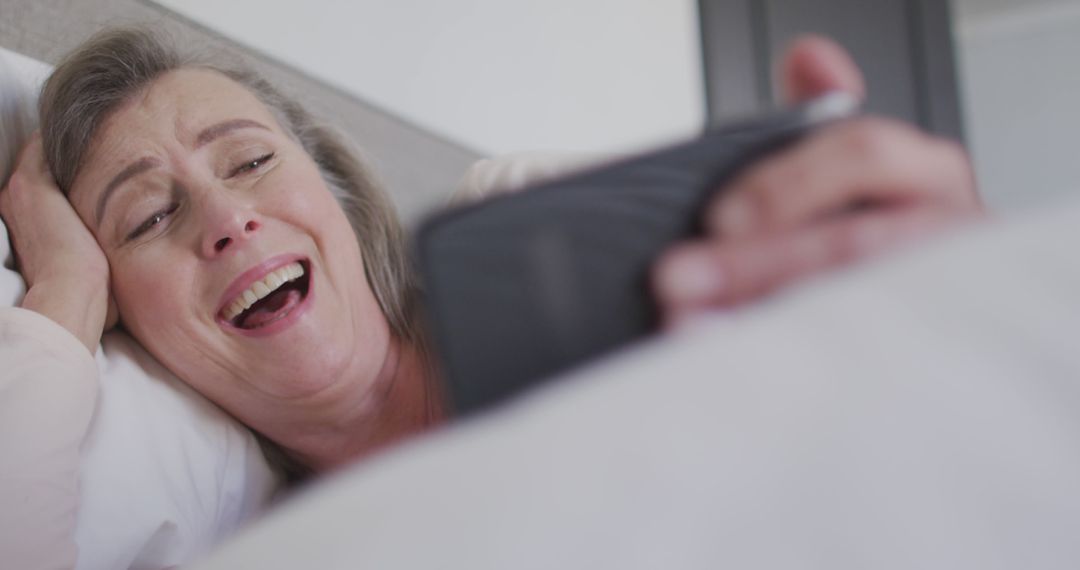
[(736, 217), (692, 276)]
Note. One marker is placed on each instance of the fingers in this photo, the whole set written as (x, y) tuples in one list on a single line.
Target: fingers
[(30, 169), (814, 65), (709, 273), (863, 162), (31, 159), (46, 234), (112, 314), (847, 192)]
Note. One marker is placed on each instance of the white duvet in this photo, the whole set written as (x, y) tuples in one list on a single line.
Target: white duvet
[(922, 412)]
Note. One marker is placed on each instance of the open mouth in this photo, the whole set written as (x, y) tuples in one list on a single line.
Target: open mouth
[(271, 298)]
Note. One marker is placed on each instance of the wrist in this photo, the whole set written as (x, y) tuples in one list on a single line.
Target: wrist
[(71, 270), (78, 305)]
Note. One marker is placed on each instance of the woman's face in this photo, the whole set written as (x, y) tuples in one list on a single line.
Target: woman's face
[(203, 204)]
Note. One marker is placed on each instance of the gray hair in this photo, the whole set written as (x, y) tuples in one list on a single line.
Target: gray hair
[(115, 64)]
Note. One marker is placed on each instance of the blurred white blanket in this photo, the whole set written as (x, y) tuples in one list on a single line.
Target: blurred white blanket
[(921, 412)]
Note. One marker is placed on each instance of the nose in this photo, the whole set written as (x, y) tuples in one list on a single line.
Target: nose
[(228, 224)]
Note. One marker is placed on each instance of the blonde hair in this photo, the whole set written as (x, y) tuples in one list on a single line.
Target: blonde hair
[(116, 64)]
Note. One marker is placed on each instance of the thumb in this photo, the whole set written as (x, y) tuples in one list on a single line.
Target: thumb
[(813, 65)]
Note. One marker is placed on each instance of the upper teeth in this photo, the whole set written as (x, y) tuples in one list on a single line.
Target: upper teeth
[(262, 288)]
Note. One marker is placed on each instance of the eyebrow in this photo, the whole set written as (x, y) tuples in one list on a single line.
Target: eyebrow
[(221, 129), (206, 136), (134, 169)]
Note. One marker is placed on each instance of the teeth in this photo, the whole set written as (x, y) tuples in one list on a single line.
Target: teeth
[(262, 288), (273, 281)]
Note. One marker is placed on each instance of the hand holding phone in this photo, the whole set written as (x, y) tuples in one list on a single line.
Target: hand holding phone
[(522, 287)]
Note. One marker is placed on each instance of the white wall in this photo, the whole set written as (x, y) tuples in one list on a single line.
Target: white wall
[(495, 75), (1021, 81)]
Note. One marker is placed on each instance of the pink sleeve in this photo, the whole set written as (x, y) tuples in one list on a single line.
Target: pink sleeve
[(48, 390), (513, 172)]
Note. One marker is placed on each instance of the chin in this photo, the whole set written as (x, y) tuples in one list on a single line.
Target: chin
[(321, 360)]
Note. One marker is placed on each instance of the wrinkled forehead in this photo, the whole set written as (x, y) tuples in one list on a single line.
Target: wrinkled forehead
[(166, 115)]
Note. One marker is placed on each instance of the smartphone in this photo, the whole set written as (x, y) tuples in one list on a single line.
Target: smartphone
[(523, 287)]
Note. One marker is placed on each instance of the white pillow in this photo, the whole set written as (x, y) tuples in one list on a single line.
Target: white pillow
[(166, 475)]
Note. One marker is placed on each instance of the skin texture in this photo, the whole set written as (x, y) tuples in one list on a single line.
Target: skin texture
[(848, 193)]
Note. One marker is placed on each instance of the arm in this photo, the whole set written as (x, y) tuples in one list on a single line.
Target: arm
[(513, 172), (66, 273), (48, 377), (48, 389)]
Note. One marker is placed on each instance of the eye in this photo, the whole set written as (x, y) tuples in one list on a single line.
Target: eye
[(252, 165), (155, 219)]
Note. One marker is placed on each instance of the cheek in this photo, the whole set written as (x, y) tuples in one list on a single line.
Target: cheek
[(303, 195), (150, 296), (315, 208)]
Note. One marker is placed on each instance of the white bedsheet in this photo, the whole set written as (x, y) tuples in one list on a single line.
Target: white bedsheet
[(922, 412)]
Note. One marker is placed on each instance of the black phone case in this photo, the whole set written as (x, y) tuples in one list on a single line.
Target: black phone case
[(525, 286)]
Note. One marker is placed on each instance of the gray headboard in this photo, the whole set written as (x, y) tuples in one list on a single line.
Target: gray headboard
[(417, 167)]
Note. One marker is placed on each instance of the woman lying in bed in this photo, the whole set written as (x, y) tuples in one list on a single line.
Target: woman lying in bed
[(245, 246)]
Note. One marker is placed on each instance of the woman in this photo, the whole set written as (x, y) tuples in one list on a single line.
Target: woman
[(244, 246), (242, 168)]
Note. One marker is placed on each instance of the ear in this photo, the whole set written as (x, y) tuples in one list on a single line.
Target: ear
[(813, 65)]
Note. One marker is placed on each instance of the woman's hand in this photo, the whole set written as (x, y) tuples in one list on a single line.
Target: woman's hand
[(66, 273), (846, 193)]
